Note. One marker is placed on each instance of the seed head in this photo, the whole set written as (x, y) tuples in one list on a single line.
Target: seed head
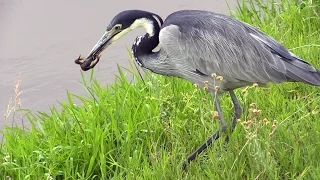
[(214, 75), (217, 88), (215, 115), (255, 85), (274, 124), (253, 105), (220, 78), (244, 122), (256, 112), (196, 85)]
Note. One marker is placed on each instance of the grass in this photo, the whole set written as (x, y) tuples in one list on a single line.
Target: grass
[(144, 129)]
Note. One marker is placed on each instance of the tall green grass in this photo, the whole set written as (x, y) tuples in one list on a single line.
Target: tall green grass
[(144, 129)]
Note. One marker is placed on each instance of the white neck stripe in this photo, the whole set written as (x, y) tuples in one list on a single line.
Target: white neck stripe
[(145, 23)]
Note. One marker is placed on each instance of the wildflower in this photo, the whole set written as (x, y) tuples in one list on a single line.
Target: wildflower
[(220, 78)]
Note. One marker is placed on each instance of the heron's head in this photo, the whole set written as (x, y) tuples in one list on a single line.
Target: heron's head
[(120, 25)]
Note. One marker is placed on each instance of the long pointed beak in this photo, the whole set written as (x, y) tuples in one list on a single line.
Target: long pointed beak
[(94, 55)]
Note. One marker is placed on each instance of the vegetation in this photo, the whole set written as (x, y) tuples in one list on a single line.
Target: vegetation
[(136, 129)]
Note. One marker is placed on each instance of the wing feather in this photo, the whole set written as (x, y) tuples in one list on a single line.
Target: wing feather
[(214, 43)]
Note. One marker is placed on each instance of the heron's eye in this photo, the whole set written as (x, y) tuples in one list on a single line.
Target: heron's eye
[(117, 27)]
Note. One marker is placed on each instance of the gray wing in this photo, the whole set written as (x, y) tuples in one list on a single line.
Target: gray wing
[(213, 43)]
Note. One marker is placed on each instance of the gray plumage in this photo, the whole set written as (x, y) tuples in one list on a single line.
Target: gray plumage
[(194, 44), (194, 40)]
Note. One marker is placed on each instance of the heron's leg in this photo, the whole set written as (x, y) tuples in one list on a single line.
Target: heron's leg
[(237, 109), (212, 138), (218, 107), (237, 112)]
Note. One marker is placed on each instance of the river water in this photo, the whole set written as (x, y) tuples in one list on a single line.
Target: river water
[(41, 39)]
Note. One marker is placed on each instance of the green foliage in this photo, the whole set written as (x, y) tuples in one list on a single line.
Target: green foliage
[(136, 129)]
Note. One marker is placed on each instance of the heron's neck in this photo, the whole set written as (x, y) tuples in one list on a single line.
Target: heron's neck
[(143, 45)]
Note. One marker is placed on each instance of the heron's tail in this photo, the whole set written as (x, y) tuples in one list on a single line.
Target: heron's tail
[(318, 75), (314, 78), (306, 76)]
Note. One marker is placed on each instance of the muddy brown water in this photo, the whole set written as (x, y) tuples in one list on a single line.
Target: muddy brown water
[(41, 39)]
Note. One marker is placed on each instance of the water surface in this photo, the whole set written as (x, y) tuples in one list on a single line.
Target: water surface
[(41, 39)]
